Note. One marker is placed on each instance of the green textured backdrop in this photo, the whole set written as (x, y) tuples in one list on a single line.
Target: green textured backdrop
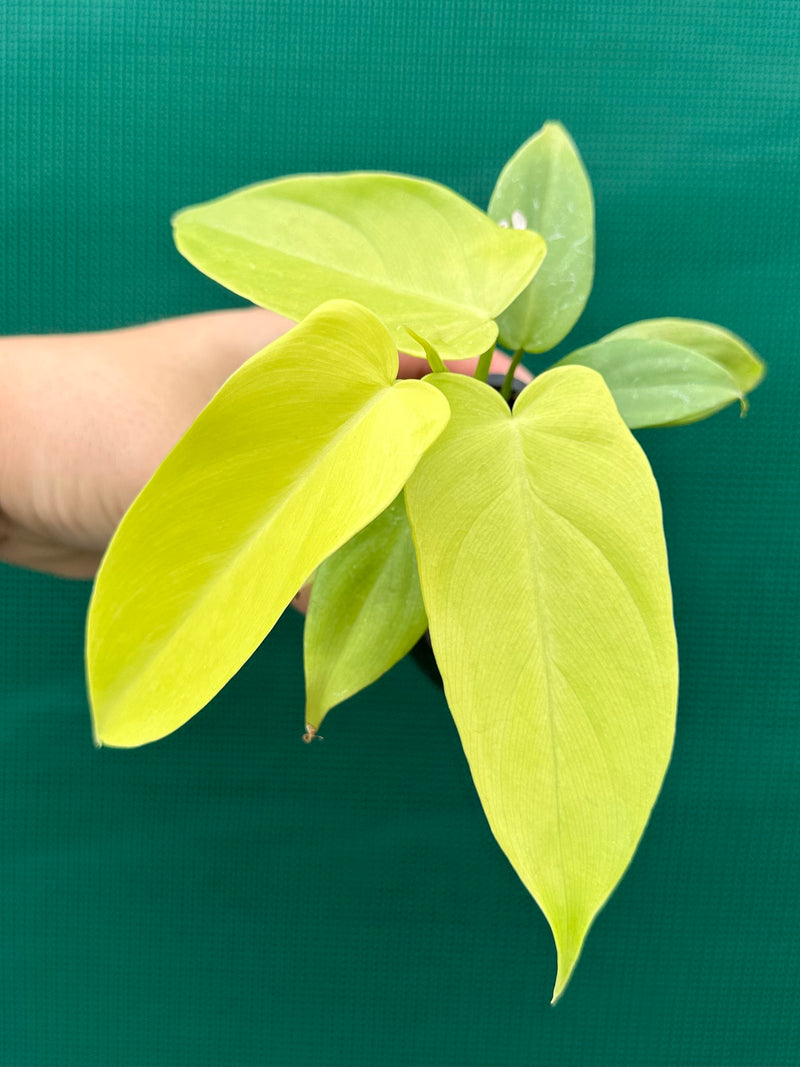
[(230, 896)]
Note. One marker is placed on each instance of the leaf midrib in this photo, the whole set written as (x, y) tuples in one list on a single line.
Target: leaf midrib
[(528, 495)]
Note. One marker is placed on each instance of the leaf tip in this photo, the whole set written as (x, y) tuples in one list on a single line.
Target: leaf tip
[(311, 734), (569, 935), (554, 125), (97, 740), (567, 958)]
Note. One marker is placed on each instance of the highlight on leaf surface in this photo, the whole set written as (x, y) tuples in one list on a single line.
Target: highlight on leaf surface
[(668, 372), (545, 187), (301, 448), (412, 251), (544, 575), (365, 612)]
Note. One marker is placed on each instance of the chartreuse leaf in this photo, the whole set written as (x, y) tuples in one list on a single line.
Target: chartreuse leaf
[(665, 372), (545, 188), (412, 251), (365, 612), (544, 574), (300, 448)]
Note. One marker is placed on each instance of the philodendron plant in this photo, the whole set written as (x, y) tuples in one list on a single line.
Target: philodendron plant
[(528, 541)]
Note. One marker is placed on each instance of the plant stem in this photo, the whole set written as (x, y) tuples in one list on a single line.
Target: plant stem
[(482, 370), (508, 381)]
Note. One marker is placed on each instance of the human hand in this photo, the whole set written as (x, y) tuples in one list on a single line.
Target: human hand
[(85, 419)]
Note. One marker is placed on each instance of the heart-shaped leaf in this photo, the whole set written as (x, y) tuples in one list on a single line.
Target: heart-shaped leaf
[(667, 372), (412, 251), (544, 574), (365, 612), (545, 188), (300, 448)]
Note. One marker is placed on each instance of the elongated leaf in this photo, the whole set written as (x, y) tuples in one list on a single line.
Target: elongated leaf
[(301, 447), (365, 612), (720, 346), (412, 251), (544, 574), (655, 383), (714, 342), (545, 188), (667, 372)]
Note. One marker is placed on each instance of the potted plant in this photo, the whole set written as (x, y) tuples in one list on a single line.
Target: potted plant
[(527, 540)]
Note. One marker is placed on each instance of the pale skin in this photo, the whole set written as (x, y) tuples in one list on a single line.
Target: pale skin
[(86, 418)]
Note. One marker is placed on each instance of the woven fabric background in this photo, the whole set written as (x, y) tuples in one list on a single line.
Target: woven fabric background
[(230, 896)]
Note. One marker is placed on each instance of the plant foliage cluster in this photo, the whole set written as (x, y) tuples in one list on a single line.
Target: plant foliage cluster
[(528, 541)]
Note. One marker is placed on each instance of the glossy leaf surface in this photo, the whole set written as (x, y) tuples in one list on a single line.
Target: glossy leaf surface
[(544, 574), (412, 251), (665, 372), (300, 448), (365, 613), (545, 188)]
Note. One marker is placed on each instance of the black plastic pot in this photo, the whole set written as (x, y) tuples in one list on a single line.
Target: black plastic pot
[(422, 652)]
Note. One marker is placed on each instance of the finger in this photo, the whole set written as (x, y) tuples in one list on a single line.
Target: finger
[(300, 600), (34, 552), (412, 366)]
